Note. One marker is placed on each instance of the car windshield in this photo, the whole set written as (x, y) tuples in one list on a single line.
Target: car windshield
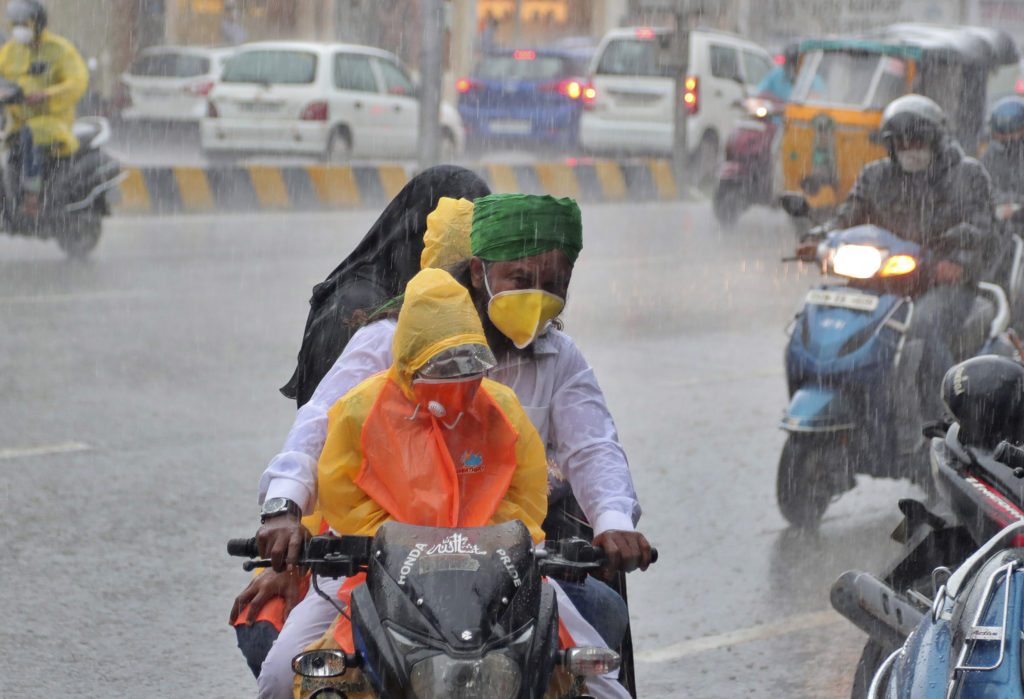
[(170, 65), (855, 79), (269, 67), (632, 57), (527, 65)]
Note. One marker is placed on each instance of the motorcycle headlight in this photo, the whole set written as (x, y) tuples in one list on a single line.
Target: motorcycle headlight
[(494, 676), (857, 261), (319, 663)]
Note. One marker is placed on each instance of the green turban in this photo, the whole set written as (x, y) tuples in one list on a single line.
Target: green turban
[(513, 226)]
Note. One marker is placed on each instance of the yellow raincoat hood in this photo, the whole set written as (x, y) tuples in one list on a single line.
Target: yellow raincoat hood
[(437, 314), (447, 238)]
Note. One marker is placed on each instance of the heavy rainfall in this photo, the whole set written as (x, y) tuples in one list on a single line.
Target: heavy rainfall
[(785, 394)]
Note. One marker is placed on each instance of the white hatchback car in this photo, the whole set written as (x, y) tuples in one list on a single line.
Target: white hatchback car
[(170, 83), (628, 107), (337, 101)]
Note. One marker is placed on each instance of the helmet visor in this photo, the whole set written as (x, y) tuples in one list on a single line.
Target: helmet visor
[(463, 360), (21, 12)]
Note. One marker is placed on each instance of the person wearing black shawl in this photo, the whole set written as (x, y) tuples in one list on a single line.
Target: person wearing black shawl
[(375, 272)]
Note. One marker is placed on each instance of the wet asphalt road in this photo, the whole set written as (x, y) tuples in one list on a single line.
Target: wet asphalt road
[(139, 407)]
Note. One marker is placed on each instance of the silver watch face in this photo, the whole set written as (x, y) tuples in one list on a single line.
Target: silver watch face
[(275, 506)]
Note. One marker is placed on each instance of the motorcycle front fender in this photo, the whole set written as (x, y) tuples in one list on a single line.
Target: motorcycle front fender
[(818, 409)]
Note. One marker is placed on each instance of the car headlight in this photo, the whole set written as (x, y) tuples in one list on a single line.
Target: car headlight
[(495, 676), (857, 261)]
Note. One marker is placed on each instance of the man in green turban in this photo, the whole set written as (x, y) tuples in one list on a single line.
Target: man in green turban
[(524, 249)]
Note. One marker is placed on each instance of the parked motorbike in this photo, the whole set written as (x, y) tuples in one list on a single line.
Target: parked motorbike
[(448, 613), (979, 484), (77, 191), (851, 371), (746, 177)]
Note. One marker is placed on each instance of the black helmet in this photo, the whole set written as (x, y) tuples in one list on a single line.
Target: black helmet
[(986, 396), (1007, 119), (26, 11), (913, 119)]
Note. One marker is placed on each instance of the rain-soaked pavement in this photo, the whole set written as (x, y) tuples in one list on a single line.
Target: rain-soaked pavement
[(140, 406)]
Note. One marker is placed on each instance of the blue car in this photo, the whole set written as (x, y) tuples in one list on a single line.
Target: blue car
[(530, 96)]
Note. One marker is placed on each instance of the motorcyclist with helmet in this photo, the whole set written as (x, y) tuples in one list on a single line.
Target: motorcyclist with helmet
[(927, 191), (1004, 156), (54, 77)]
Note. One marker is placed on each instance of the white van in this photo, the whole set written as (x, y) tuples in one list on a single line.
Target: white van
[(629, 109)]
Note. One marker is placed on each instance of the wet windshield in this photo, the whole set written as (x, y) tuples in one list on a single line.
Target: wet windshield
[(852, 79), (285, 67)]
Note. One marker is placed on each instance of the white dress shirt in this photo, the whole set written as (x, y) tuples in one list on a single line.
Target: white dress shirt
[(556, 388)]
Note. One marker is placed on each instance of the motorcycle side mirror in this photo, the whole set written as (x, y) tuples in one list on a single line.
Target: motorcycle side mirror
[(794, 204)]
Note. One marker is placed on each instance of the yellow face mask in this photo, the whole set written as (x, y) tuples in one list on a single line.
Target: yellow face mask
[(522, 314)]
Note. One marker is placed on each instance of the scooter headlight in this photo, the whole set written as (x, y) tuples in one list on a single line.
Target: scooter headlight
[(441, 677), (898, 265), (857, 261)]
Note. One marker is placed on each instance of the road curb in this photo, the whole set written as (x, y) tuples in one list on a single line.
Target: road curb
[(180, 190)]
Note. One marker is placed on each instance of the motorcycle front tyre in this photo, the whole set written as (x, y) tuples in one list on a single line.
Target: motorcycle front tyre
[(81, 236), (805, 482), (729, 203), (871, 658)]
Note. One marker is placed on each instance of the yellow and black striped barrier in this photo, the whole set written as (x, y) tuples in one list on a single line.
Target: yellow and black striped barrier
[(171, 190)]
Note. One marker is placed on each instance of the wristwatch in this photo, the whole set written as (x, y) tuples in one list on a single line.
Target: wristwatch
[(275, 507)]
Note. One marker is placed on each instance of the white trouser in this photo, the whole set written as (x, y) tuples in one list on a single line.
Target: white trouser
[(311, 618)]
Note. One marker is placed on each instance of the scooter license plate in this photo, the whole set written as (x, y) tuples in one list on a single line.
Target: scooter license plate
[(843, 299)]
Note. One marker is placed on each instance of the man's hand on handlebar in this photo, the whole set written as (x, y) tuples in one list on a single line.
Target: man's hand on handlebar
[(263, 588), (280, 539), (34, 98), (626, 550)]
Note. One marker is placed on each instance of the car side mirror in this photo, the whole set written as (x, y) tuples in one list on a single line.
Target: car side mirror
[(794, 204)]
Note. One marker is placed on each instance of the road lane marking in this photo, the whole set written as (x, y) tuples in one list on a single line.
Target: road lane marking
[(44, 450), (73, 296), (793, 624)]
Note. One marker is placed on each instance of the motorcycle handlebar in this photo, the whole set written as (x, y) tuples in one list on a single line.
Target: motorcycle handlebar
[(1007, 453), (243, 547)]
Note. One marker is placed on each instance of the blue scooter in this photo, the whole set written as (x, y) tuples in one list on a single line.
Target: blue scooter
[(852, 372), (970, 642)]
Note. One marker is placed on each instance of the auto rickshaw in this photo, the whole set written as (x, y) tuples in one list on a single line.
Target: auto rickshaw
[(831, 122)]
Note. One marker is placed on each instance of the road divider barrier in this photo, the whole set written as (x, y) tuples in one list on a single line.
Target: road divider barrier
[(250, 187)]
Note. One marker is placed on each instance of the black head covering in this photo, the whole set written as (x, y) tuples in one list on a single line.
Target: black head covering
[(376, 271)]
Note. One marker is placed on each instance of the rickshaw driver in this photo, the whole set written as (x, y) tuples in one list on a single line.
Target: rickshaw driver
[(927, 191)]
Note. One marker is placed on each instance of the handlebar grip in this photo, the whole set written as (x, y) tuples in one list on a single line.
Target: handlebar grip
[(654, 555), (1007, 453), (243, 547)]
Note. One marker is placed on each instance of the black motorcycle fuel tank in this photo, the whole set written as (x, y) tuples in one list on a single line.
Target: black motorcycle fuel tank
[(463, 592), (984, 493)]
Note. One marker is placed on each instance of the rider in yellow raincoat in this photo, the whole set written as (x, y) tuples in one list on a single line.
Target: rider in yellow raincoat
[(53, 76)]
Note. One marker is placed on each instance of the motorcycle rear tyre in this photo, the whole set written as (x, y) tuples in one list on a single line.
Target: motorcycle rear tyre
[(81, 236), (871, 658), (729, 203), (803, 486)]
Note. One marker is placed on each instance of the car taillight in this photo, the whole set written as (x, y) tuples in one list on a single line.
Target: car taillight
[(199, 89), (122, 96), (589, 96), (691, 96), (211, 110), (1019, 86), (573, 89), (314, 111), (464, 85)]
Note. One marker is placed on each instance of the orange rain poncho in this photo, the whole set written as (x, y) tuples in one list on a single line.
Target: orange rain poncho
[(386, 459)]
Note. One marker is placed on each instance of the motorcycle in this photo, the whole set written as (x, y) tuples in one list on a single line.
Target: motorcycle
[(979, 489), (448, 613), (851, 371), (77, 191), (746, 177), (970, 641)]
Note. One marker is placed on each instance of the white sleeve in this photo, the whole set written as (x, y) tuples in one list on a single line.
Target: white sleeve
[(292, 473), (587, 446)]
